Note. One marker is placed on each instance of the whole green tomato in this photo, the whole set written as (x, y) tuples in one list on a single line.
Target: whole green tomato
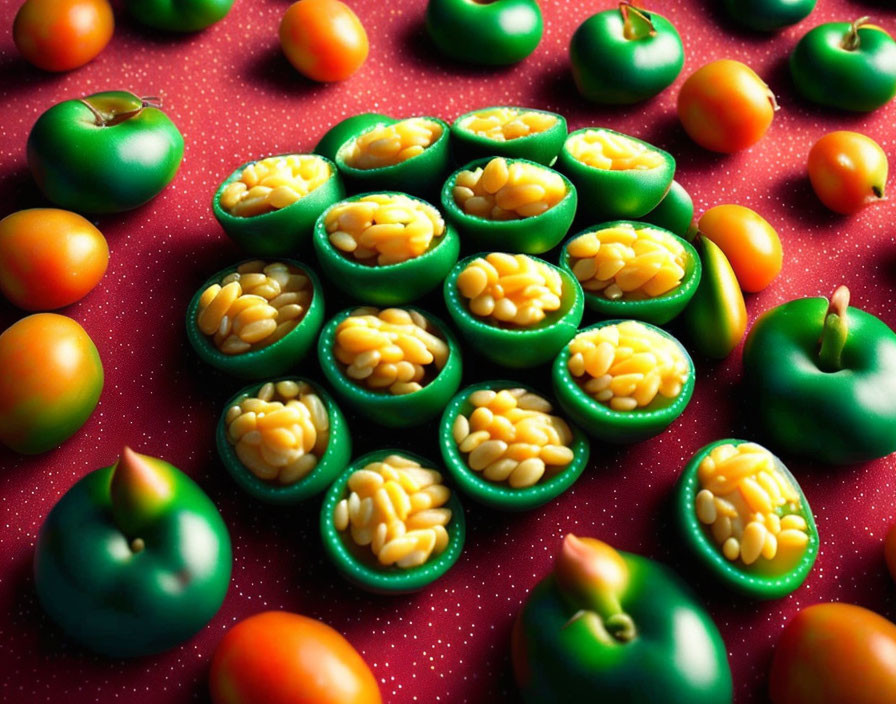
[(485, 32), (133, 559), (846, 66), (50, 381), (625, 55), (178, 15), (104, 153), (769, 15)]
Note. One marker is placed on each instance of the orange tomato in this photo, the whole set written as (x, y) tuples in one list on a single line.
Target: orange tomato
[(748, 240), (277, 657), (49, 258), (323, 39), (848, 171), (890, 551), (59, 35), (835, 654), (724, 106), (50, 381)]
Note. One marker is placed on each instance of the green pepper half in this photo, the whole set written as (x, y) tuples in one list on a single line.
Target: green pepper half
[(822, 377), (611, 626), (133, 559), (540, 147)]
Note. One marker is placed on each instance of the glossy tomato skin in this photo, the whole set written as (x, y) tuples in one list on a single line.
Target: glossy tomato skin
[(848, 171), (277, 657), (49, 258), (725, 107), (834, 654), (50, 381), (323, 39), (60, 35), (751, 244)]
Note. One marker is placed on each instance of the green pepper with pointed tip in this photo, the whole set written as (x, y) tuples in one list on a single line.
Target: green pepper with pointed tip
[(134, 559), (615, 627), (822, 376)]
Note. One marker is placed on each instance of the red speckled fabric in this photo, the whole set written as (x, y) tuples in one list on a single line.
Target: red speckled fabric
[(234, 97)]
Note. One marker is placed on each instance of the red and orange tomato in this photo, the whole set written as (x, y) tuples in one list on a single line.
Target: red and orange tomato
[(848, 171), (49, 258), (724, 106), (59, 35), (277, 657), (749, 242), (50, 381), (323, 39), (834, 654)]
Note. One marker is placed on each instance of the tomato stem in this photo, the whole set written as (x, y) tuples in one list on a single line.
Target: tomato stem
[(834, 333), (137, 545), (851, 38), (636, 21)]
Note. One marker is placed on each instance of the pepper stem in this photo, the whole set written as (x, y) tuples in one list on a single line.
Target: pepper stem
[(636, 21), (834, 332), (851, 38), (111, 119)]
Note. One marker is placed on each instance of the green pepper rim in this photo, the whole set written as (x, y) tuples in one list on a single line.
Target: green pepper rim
[(499, 495), (334, 460), (658, 310), (532, 235), (601, 421), (285, 231), (694, 535), (404, 410), (348, 128), (273, 360), (393, 284), (540, 147), (417, 176), (599, 186), (526, 347), (396, 580)]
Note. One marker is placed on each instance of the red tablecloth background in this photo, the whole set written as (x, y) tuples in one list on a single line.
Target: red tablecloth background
[(234, 97)]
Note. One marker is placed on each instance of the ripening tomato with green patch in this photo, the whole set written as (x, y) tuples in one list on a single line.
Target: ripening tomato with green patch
[(60, 35), (50, 381), (848, 171), (49, 258)]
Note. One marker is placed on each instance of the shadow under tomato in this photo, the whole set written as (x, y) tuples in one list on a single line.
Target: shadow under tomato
[(796, 189), (270, 68), (424, 53)]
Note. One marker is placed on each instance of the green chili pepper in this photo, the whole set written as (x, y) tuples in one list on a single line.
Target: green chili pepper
[(823, 380), (178, 15), (716, 317), (674, 213), (134, 558), (484, 32), (847, 66), (615, 627), (625, 55)]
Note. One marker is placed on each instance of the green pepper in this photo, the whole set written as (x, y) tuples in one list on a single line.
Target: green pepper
[(625, 55), (178, 15), (823, 380), (674, 213), (347, 129), (616, 194), (847, 66), (611, 626), (540, 147), (133, 559), (104, 153), (769, 15), (763, 575), (484, 32), (716, 317)]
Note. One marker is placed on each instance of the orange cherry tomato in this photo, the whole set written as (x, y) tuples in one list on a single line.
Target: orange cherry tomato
[(834, 654), (50, 381), (323, 39), (750, 243), (848, 171), (277, 657), (59, 35), (890, 551), (49, 258), (725, 106)]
